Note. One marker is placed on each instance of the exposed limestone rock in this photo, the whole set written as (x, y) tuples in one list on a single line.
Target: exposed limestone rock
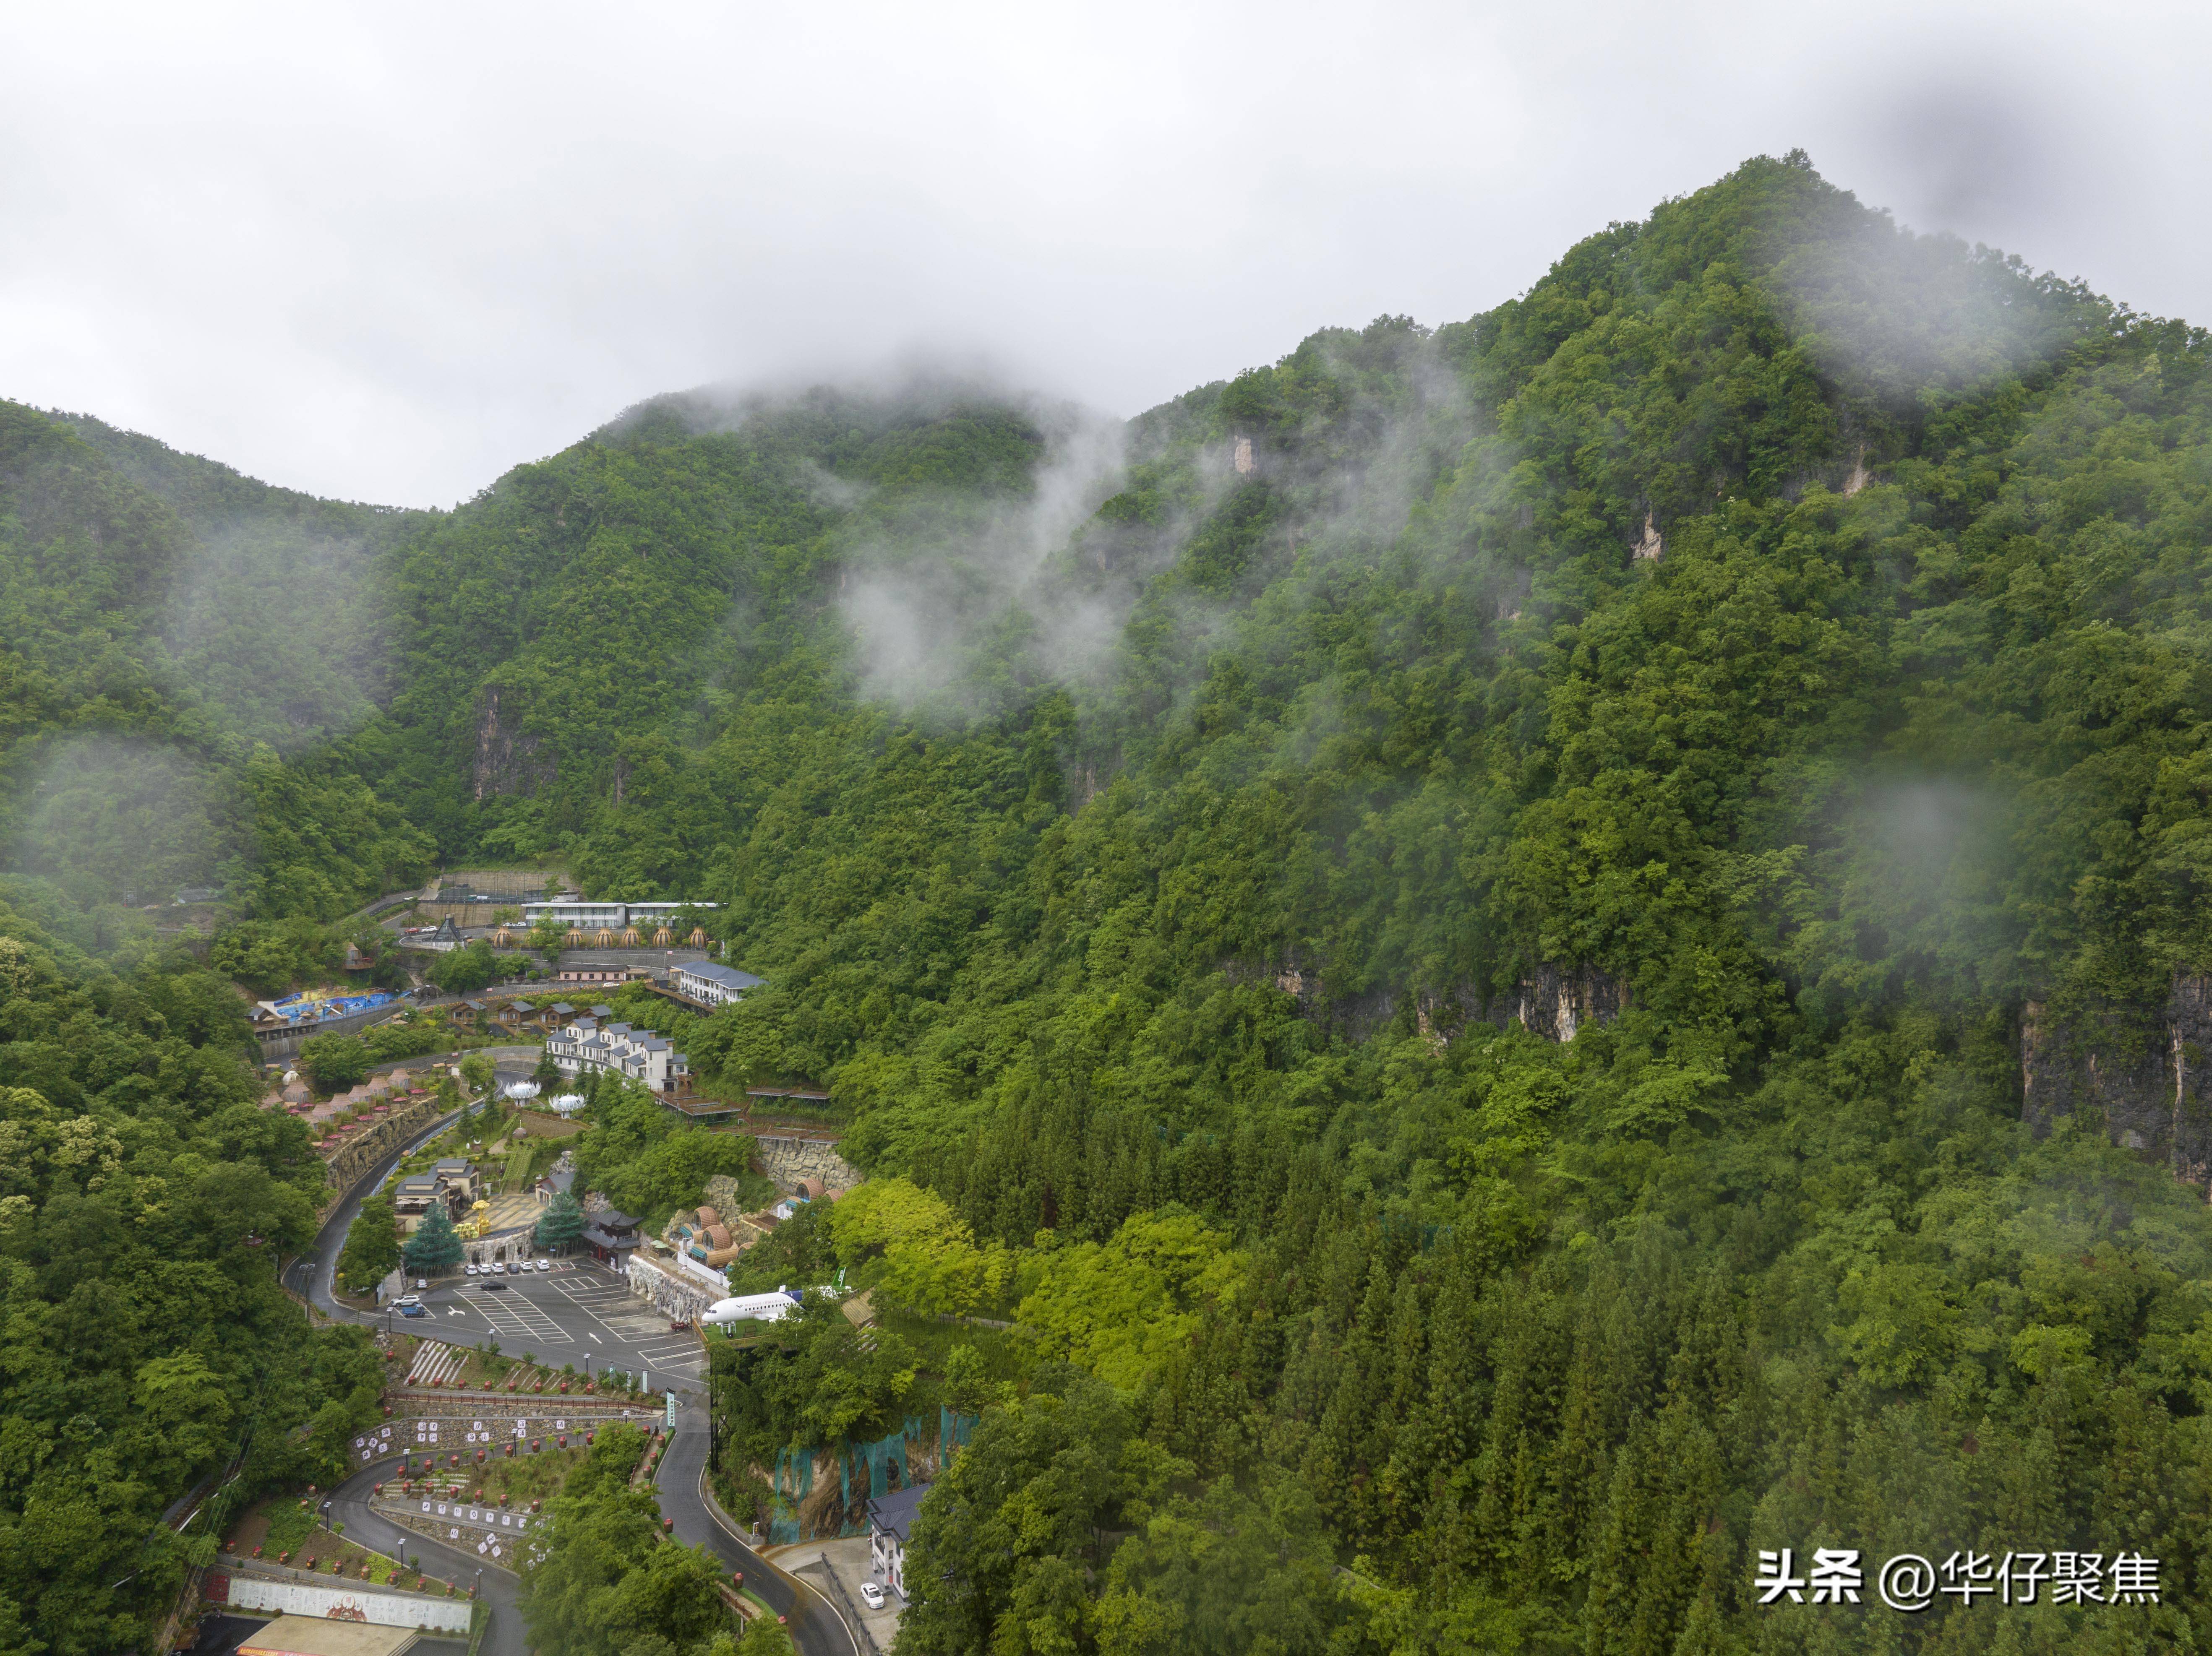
[(2143, 1077), (508, 760), (1860, 476), (1550, 1002), (1653, 545)]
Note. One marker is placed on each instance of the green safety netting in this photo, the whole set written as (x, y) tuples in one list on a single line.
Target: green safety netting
[(953, 1430), (792, 1481)]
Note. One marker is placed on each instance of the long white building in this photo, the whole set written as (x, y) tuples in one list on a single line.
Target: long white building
[(710, 984), (584, 1046), (594, 915)]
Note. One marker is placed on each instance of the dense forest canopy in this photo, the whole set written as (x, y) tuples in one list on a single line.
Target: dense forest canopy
[(1490, 887)]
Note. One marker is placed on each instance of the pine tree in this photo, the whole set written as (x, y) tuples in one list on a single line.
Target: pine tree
[(562, 1222), (434, 1246)]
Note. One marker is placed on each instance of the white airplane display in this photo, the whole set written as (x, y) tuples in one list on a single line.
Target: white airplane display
[(753, 1307)]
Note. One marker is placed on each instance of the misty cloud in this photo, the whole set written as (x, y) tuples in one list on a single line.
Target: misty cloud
[(114, 819), (966, 619)]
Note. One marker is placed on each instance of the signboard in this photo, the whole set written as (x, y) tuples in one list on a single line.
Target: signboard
[(672, 1411)]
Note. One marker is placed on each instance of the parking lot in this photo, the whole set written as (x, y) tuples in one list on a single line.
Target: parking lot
[(578, 1314)]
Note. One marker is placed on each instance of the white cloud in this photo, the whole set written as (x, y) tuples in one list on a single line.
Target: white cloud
[(387, 252)]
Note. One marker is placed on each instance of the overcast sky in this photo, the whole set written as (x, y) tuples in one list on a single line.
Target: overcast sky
[(385, 252)]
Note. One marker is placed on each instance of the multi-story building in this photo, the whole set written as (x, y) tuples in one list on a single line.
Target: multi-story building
[(706, 984), (584, 1046)]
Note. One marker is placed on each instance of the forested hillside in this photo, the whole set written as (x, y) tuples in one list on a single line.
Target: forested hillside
[(176, 643), (1455, 924), (146, 1351)]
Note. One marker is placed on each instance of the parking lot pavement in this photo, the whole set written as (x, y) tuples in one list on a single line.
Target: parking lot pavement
[(563, 1317), (513, 1314), (621, 1321)]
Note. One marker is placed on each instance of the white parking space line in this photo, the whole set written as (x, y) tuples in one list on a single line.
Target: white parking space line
[(521, 1317)]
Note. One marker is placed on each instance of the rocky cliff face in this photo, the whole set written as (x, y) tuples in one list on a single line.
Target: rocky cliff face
[(2143, 1078), (507, 760), (1552, 1002)]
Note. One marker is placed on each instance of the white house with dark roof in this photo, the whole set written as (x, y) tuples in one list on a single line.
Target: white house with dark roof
[(890, 1526), (584, 1046), (710, 984)]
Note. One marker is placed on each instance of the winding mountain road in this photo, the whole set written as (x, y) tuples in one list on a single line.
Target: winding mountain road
[(349, 1506), (814, 1624)]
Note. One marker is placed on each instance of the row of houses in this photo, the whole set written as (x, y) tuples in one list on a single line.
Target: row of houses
[(586, 1046), (516, 1017)]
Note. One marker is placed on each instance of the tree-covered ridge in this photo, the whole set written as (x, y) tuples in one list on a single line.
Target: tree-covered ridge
[(1880, 743)]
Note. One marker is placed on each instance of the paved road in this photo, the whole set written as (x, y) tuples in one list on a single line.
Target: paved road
[(815, 1628), (349, 1506)]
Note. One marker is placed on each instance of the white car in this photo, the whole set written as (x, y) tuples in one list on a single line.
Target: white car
[(545, 1264), (872, 1595), (471, 1270)]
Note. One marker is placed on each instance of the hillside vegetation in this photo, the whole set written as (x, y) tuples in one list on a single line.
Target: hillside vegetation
[(1772, 653)]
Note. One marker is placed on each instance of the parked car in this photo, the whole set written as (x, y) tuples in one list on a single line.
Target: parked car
[(872, 1595), (471, 1270), (513, 1268), (406, 1300), (413, 1311), (679, 1326), (545, 1264)]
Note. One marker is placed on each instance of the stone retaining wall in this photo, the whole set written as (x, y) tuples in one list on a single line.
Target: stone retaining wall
[(678, 1297), (790, 1161), (361, 1151)]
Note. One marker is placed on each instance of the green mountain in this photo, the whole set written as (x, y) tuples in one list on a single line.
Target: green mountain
[(1542, 955)]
